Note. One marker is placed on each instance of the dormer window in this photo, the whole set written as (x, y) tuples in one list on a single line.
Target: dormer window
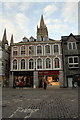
[(72, 45)]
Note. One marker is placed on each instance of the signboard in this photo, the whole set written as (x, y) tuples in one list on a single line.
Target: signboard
[(48, 72)]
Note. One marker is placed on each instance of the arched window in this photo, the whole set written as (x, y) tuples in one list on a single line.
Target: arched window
[(31, 64), (47, 49), (48, 63), (14, 64), (39, 63), (56, 49), (56, 63), (22, 50), (31, 50), (39, 49), (22, 64)]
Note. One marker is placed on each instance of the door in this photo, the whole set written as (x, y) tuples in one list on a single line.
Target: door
[(70, 82)]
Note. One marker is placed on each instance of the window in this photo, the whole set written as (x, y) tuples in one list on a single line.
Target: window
[(73, 62), (31, 50), (47, 49), (39, 49), (15, 51), (31, 64), (48, 63), (56, 63), (23, 50), (56, 49), (15, 64), (22, 64), (72, 45), (39, 63)]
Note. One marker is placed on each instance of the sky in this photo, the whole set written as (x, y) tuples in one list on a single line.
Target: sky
[(21, 19)]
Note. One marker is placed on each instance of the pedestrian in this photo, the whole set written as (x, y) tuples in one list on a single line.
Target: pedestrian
[(45, 84)]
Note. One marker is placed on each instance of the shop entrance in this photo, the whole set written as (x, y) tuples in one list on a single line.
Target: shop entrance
[(23, 79), (53, 80)]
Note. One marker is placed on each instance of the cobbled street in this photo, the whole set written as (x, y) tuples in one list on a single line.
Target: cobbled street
[(40, 103)]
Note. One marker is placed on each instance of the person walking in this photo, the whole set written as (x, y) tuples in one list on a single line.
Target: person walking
[(45, 84)]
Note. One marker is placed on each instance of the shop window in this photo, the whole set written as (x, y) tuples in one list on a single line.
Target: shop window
[(31, 64), (22, 50), (73, 62), (39, 63), (48, 63), (39, 49), (22, 64), (72, 45), (14, 64), (47, 49), (56, 62), (56, 49), (31, 50), (15, 51)]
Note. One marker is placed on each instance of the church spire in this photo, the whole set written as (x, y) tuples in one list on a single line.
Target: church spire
[(42, 31), (11, 42), (4, 39), (42, 22)]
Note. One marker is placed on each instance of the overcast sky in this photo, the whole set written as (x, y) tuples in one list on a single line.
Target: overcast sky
[(21, 19)]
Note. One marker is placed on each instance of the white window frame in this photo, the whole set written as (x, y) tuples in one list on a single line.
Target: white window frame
[(28, 50), (45, 50), (71, 45), (25, 64), (20, 50), (33, 64), (12, 65), (41, 48), (59, 63), (13, 50), (45, 63), (36, 63), (58, 49), (73, 63)]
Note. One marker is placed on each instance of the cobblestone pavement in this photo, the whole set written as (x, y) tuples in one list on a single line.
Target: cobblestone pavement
[(40, 103)]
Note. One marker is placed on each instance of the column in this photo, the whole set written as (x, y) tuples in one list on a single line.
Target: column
[(61, 78), (35, 82)]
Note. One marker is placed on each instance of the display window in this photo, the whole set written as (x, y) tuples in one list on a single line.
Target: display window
[(23, 81)]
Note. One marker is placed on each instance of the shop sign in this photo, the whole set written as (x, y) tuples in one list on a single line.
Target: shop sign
[(48, 72)]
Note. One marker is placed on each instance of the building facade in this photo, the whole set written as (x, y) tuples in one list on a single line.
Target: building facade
[(33, 60), (71, 58), (4, 61)]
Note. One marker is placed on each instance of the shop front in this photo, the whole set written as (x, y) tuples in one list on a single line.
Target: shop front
[(23, 79), (52, 78)]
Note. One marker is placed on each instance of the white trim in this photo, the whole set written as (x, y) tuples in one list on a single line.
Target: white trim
[(13, 50), (20, 50), (36, 63), (20, 64), (50, 49), (45, 64), (12, 65), (59, 63), (42, 50), (71, 45), (33, 64), (58, 49), (73, 62), (28, 50)]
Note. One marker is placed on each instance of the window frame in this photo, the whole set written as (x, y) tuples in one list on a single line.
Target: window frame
[(45, 49), (25, 64), (73, 62), (50, 63), (12, 65), (21, 50), (71, 45), (37, 64), (33, 64), (15, 50), (33, 50)]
